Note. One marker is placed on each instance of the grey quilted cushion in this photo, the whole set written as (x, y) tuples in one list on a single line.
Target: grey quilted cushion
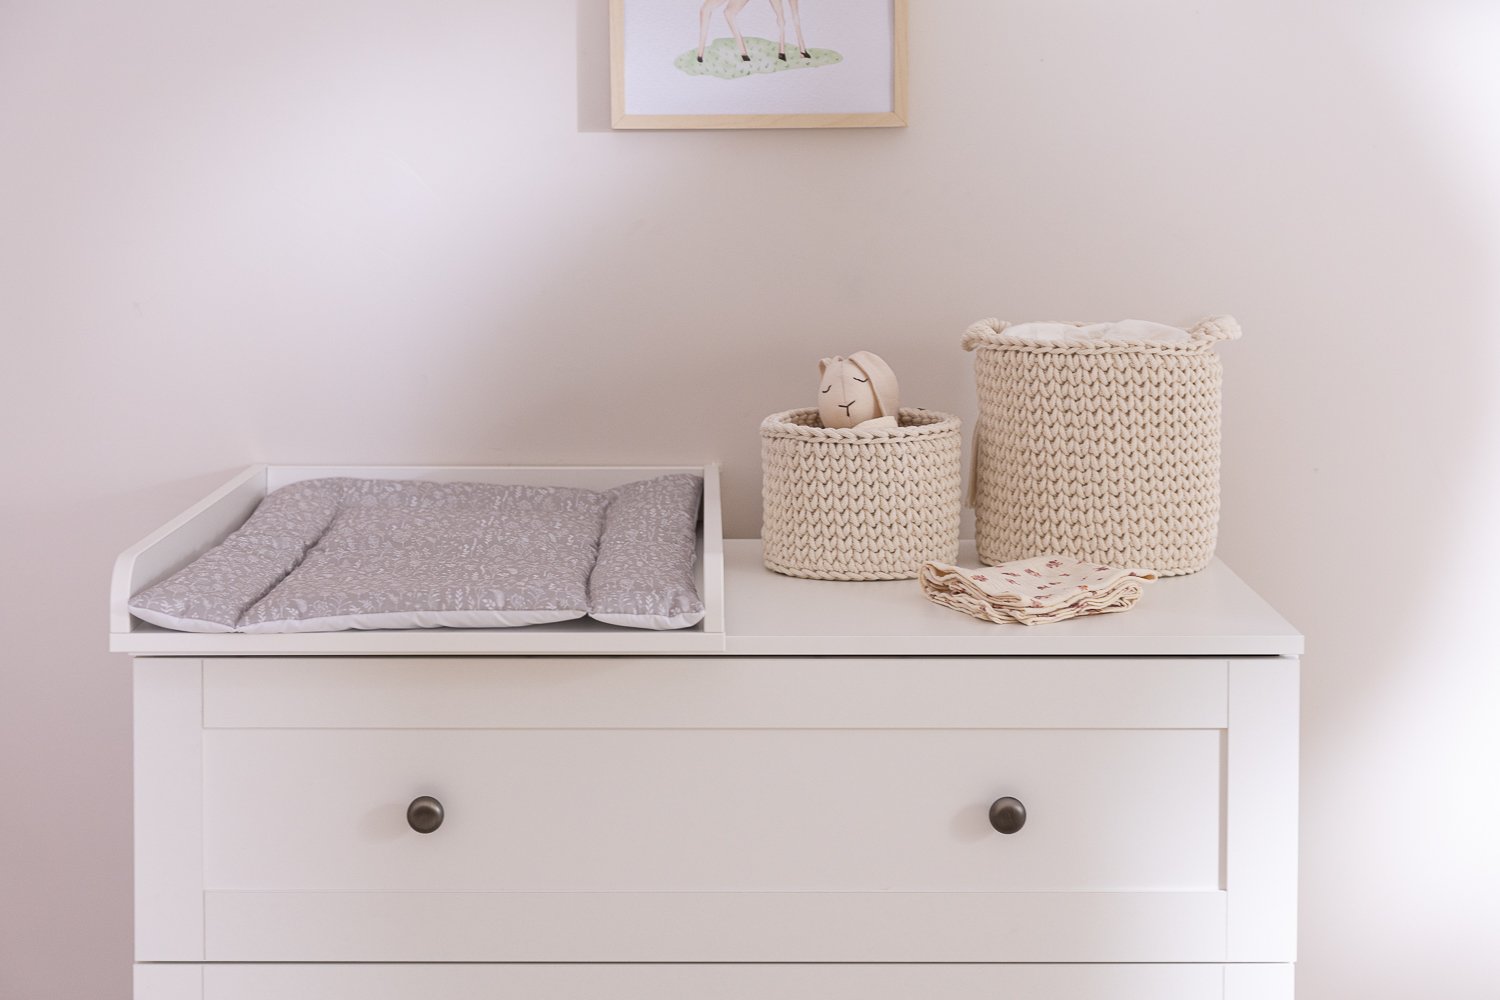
[(331, 554)]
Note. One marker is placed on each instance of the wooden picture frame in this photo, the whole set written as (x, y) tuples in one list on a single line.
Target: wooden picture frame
[(720, 59)]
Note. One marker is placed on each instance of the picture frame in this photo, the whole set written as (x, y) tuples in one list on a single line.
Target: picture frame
[(758, 64)]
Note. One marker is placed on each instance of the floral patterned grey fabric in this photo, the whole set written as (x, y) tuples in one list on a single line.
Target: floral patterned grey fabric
[(440, 549), (644, 576), (213, 592), (332, 554)]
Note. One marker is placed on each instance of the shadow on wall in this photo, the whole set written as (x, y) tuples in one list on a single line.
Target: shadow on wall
[(1363, 451)]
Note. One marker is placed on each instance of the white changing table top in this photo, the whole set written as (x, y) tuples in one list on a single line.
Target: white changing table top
[(1212, 613)]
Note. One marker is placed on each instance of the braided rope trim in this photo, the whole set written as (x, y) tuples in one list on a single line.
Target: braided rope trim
[(990, 335), (838, 575), (806, 424)]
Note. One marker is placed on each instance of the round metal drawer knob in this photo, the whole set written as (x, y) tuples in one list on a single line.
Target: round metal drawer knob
[(1007, 815), (425, 814)]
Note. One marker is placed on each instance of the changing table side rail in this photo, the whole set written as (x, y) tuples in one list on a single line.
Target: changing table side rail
[(711, 553), (181, 540)]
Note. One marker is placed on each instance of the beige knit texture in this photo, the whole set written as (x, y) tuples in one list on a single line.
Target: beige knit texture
[(855, 504), (1106, 452)]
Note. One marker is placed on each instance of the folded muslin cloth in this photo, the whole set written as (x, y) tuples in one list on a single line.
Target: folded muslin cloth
[(1034, 591)]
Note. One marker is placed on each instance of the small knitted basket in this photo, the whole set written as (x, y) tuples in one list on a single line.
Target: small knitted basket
[(860, 504), (1105, 452)]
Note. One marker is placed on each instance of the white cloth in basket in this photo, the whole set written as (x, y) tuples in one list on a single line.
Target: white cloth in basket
[(1034, 591), (1126, 331)]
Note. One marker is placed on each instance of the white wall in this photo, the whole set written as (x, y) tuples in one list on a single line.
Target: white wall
[(365, 230)]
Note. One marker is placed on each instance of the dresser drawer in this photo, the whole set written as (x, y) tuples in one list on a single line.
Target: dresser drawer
[(713, 811)]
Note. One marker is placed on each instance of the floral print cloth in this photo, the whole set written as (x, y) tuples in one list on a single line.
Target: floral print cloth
[(1034, 591)]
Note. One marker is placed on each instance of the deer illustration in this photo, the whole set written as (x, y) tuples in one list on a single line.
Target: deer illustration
[(732, 9)]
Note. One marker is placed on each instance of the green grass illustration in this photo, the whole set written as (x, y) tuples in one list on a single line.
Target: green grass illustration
[(722, 59)]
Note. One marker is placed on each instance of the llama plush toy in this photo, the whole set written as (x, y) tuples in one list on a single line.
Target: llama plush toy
[(858, 391)]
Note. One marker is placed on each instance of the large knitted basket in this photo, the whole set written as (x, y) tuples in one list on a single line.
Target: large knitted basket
[(860, 504), (1105, 452)]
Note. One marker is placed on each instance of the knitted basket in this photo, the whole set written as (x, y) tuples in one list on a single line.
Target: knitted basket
[(860, 504), (1106, 452)]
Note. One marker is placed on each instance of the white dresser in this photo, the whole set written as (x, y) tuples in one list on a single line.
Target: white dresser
[(814, 812)]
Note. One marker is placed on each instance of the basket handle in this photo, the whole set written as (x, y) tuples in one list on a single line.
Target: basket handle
[(976, 334), (1216, 328)]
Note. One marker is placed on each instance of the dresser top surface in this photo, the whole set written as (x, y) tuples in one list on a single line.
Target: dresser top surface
[(1211, 613), (749, 610)]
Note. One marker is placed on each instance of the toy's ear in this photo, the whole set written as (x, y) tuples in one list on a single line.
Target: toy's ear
[(823, 365), (882, 382)]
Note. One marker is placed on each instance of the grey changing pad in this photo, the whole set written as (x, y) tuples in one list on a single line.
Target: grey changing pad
[(326, 555)]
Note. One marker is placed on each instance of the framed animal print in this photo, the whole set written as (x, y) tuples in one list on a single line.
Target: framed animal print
[(758, 63)]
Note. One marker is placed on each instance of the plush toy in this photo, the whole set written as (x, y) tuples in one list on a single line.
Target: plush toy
[(857, 391)]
